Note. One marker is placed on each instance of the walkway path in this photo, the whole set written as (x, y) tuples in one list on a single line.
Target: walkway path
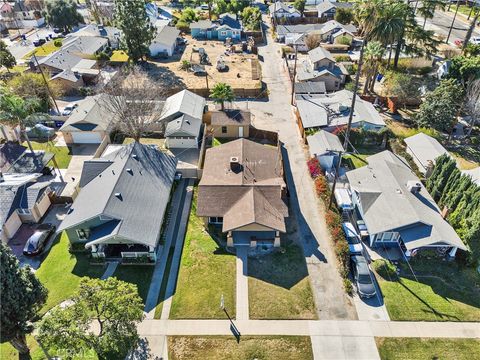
[(242, 283), (162, 253), (174, 267), (112, 266)]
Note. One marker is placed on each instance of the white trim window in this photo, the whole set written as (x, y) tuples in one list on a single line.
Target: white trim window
[(83, 234), (215, 220), (223, 33), (388, 236), (24, 211)]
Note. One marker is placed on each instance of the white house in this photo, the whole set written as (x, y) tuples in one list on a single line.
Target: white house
[(279, 10), (165, 41), (424, 150), (326, 147)]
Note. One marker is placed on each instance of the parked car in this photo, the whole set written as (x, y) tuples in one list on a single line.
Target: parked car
[(39, 239), (40, 131), (57, 30), (362, 228), (353, 239), (362, 277), (69, 109), (475, 40), (38, 42)]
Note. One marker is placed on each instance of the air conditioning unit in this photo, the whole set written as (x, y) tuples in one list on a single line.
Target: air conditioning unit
[(235, 164), (414, 186)]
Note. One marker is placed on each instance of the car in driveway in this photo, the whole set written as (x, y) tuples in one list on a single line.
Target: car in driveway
[(353, 239), (362, 228), (39, 239), (362, 277), (40, 131), (69, 109)]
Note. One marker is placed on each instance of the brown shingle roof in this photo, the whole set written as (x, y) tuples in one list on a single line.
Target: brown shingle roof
[(231, 117), (253, 194)]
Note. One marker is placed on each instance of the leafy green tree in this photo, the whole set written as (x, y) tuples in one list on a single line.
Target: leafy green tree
[(344, 15), (22, 295), (6, 57), (464, 69), (103, 317), (441, 106), (299, 5), (63, 14), (188, 15), (137, 31), (222, 93), (220, 7), (401, 86), (252, 18)]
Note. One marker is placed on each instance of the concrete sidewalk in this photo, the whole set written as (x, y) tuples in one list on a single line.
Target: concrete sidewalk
[(242, 283), (112, 266)]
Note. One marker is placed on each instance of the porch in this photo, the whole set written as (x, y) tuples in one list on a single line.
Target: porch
[(125, 253), (254, 239)]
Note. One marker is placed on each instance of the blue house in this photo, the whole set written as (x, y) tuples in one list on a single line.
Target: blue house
[(227, 26)]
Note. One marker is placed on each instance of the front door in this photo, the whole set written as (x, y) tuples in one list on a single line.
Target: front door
[(240, 131)]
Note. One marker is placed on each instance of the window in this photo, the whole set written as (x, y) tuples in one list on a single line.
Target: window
[(223, 33), (224, 129), (215, 220), (388, 236), (83, 234), (24, 212)]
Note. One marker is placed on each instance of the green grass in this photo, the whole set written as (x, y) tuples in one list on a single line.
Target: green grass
[(44, 50), (422, 349), (62, 153), (8, 352), (119, 56), (15, 69), (463, 9), (139, 275), (62, 271), (279, 287), (206, 272), (249, 347), (357, 160), (219, 141), (444, 291)]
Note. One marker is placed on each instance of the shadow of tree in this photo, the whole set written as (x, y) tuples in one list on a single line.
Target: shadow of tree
[(142, 352), (166, 77)]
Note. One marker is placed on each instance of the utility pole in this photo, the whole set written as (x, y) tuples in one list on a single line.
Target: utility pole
[(453, 22), (46, 84), (350, 118), (206, 79), (294, 72)]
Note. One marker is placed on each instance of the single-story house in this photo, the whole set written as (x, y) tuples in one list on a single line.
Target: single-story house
[(89, 123), (321, 66), (474, 174), (327, 9), (332, 30), (397, 209), (227, 26), (279, 10), (183, 113), (121, 206), (326, 147), (111, 33), (292, 31), (242, 191), (229, 123), (165, 41), (18, 159), (70, 81), (424, 150), (22, 200), (331, 111)]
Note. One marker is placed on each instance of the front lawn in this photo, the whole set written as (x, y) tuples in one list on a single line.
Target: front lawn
[(44, 50), (62, 153), (444, 291), (206, 272), (421, 349), (356, 160), (139, 275), (279, 287), (8, 352), (61, 272), (249, 347)]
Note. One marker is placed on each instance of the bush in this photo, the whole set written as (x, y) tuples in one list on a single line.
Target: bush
[(321, 187), (339, 58), (344, 40), (347, 285), (57, 42), (183, 26), (103, 56), (385, 269), (417, 66), (333, 219), (314, 167)]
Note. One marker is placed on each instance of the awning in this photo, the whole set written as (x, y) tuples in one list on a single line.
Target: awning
[(103, 232)]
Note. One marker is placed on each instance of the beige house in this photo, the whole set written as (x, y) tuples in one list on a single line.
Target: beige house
[(23, 200), (243, 191), (229, 123)]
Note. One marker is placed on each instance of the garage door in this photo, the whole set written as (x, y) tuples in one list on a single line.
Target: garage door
[(86, 138)]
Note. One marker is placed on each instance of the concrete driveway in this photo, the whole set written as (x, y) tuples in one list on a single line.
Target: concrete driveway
[(80, 154), (54, 216)]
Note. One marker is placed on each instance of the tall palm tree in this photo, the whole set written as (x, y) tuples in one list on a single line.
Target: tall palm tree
[(373, 55), (15, 111), (427, 10), (222, 93)]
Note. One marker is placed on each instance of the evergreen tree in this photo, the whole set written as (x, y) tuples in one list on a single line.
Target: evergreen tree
[(137, 31), (6, 57), (451, 186), (63, 14), (441, 182), (439, 163)]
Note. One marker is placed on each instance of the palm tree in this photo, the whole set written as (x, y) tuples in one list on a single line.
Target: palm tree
[(471, 28), (427, 10), (221, 93), (373, 55), (17, 111)]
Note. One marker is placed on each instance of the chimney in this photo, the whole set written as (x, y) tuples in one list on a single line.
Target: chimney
[(445, 212), (235, 165), (414, 186)]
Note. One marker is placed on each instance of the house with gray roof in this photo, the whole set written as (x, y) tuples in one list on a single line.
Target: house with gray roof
[(165, 41), (242, 191), (424, 150), (183, 113), (397, 209), (320, 65), (89, 123), (474, 174), (326, 147), (331, 111), (280, 10), (327, 9), (227, 26), (121, 206)]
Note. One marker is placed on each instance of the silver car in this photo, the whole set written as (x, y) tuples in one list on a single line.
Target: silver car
[(362, 277)]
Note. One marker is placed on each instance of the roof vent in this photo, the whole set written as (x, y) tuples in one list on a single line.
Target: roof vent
[(414, 186), (235, 165), (134, 156), (119, 196), (130, 171)]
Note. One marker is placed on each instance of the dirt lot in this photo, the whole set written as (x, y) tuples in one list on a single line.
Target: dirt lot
[(240, 75)]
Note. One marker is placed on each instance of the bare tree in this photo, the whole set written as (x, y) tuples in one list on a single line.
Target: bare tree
[(472, 103), (312, 41), (135, 101)]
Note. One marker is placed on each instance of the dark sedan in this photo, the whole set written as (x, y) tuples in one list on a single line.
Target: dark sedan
[(362, 277), (39, 239)]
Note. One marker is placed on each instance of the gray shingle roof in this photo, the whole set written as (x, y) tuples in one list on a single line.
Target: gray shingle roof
[(388, 205), (184, 102), (90, 111), (319, 53), (310, 87), (67, 75), (134, 190), (230, 117), (425, 149), (201, 24), (9, 153), (184, 125), (323, 142), (166, 35)]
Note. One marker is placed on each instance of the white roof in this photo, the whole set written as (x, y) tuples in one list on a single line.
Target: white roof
[(323, 142), (425, 149), (474, 174)]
